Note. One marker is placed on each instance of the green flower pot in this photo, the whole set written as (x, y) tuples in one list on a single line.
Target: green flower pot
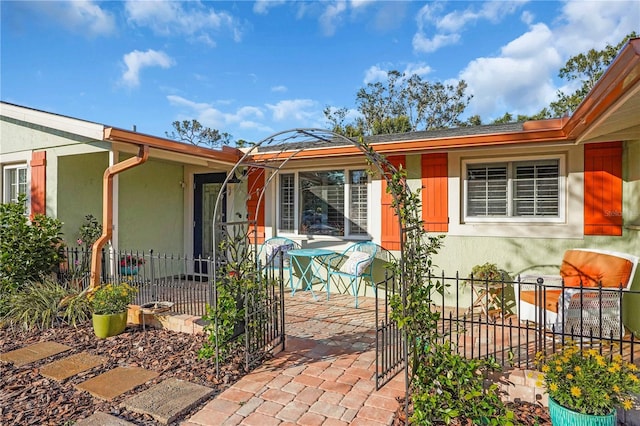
[(561, 416), (109, 325)]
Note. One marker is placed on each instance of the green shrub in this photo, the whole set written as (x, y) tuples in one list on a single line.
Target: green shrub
[(450, 387), (45, 304), (29, 250)]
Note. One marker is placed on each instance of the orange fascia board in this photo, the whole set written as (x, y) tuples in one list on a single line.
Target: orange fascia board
[(553, 133), (227, 154), (621, 75)]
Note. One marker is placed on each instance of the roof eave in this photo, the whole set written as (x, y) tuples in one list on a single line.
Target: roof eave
[(227, 155)]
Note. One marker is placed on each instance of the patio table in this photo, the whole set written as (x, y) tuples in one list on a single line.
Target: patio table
[(310, 271)]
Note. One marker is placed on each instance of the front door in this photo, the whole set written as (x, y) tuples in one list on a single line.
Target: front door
[(207, 186)]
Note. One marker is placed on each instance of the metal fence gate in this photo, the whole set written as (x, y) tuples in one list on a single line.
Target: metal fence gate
[(390, 341), (264, 313)]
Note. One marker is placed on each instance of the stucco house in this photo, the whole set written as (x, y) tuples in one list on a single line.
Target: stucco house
[(517, 194)]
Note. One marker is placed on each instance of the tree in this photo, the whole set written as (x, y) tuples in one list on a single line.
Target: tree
[(402, 104), (588, 68), (196, 134)]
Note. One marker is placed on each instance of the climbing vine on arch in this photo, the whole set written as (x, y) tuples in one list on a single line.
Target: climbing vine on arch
[(443, 385)]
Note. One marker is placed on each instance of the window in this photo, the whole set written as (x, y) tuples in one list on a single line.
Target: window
[(515, 189), (327, 202), (15, 182)]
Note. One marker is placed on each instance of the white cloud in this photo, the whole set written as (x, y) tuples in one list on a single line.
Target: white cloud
[(261, 7), (135, 61), (607, 23), (194, 19), (519, 80), (247, 117), (428, 45), (379, 73), (374, 73), (448, 28), (522, 78), (302, 111), (83, 16), (332, 16), (279, 89)]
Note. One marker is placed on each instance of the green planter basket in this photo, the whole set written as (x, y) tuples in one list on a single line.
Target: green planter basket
[(561, 416), (109, 325)]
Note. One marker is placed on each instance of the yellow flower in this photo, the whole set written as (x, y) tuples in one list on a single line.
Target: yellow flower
[(577, 368), (558, 368), (569, 376), (632, 367), (553, 387), (576, 391), (617, 358), (600, 361), (627, 404), (545, 369), (616, 388), (614, 368), (633, 377)]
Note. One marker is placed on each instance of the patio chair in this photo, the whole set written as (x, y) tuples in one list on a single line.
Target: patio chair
[(273, 253), (353, 264), (584, 298)]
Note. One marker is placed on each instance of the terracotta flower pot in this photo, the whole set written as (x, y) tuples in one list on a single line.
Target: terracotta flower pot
[(109, 325)]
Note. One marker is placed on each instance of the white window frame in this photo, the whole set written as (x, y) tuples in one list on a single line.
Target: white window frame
[(347, 205), (6, 182), (562, 190)]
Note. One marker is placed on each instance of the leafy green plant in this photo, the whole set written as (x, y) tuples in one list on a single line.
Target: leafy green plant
[(588, 382), (111, 298), (44, 304), (449, 387), (222, 320), (28, 249)]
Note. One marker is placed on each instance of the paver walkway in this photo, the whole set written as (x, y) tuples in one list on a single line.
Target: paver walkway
[(325, 375)]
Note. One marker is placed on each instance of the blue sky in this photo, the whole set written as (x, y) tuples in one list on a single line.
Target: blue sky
[(259, 67)]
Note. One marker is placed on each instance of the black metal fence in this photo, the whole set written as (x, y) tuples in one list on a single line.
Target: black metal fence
[(502, 319), (182, 280)]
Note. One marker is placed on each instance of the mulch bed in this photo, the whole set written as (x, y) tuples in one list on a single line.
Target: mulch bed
[(28, 398)]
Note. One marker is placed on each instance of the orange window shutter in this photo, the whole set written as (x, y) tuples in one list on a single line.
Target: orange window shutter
[(390, 228), (435, 200), (603, 188), (38, 182), (255, 186)]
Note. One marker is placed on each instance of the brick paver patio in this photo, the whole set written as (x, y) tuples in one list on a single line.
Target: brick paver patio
[(325, 375)]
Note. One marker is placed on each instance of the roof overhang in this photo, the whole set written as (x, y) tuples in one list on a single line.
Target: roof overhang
[(611, 111), (172, 150)]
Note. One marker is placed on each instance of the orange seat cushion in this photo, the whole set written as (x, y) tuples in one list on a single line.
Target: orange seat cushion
[(550, 298), (591, 269)]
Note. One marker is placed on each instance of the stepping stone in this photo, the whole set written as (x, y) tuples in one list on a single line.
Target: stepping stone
[(166, 401), (102, 419), (32, 353), (116, 382), (71, 365)]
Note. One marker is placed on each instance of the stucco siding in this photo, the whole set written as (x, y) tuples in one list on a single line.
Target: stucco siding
[(150, 207), (79, 190)]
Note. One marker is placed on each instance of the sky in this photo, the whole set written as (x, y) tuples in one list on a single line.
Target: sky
[(254, 68)]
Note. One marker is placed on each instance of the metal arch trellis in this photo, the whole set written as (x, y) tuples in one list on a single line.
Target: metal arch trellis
[(281, 148)]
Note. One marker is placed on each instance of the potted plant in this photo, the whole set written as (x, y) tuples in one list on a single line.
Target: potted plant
[(586, 387), (109, 308), (129, 264)]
